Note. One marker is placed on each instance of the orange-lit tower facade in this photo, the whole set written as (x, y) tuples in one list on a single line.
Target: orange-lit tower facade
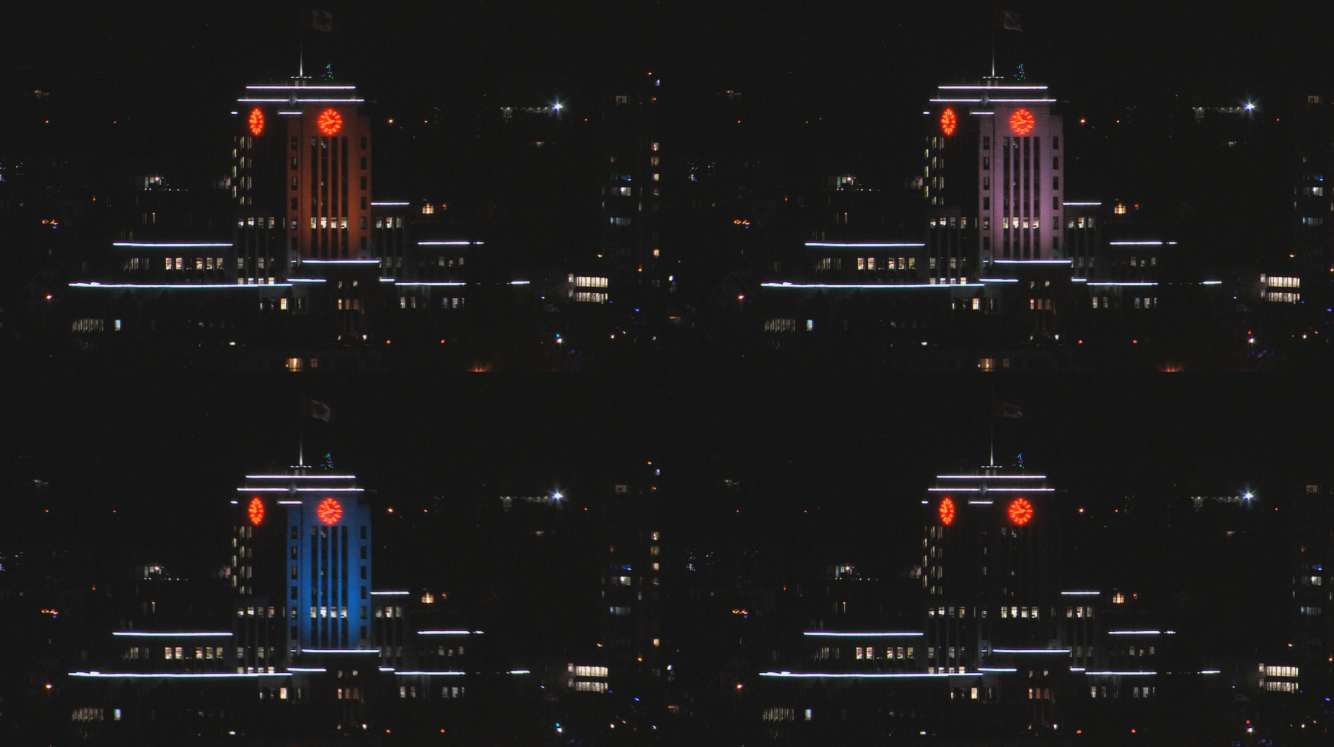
[(301, 177)]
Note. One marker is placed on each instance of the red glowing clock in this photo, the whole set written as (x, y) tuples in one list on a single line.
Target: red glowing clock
[(1021, 511), (948, 122), (1021, 122), (256, 121), (947, 511), (330, 122), (329, 511), (256, 510)]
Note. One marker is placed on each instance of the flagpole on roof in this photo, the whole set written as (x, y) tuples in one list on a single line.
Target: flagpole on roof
[(301, 432)]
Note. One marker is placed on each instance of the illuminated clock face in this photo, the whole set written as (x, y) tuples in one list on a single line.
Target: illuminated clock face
[(1021, 511), (329, 511), (1021, 122), (948, 122), (256, 510), (947, 511), (330, 122), (256, 121)]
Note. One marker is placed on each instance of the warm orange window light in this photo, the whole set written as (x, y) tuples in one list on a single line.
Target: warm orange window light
[(1021, 511), (947, 511), (330, 122), (256, 510), (1021, 122), (256, 121), (948, 122), (329, 511)]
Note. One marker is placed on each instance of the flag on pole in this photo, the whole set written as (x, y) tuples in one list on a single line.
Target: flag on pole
[(319, 20), (1003, 409), (317, 410), (1008, 20)]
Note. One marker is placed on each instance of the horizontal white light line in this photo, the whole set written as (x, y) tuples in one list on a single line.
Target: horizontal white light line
[(1141, 243), (340, 651), (1079, 280), (180, 286), (289, 114), (307, 280), (435, 284), (1121, 674), (170, 245), (389, 204), (301, 490), (300, 477), (981, 503), (340, 261), (180, 675), (1127, 284), (518, 282), (854, 245), (388, 669), (1000, 280), (1212, 282), (301, 88), (869, 286), (307, 669), (444, 632), (301, 101), (289, 503), (1076, 669), (1082, 204), (1134, 632), (983, 114), (176, 634), (991, 477), (451, 243), (991, 490), (1211, 671), (997, 669), (992, 88), (419, 673), (993, 101), (870, 675), (1031, 261), (1030, 650), (520, 671), (869, 634), (1080, 593), (387, 280), (390, 593)]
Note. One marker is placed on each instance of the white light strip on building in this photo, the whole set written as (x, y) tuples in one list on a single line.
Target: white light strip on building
[(999, 280), (868, 286), (444, 632), (390, 593), (179, 634), (388, 669), (1079, 280), (300, 477), (1127, 284), (419, 673), (1080, 593), (1082, 204), (301, 490), (180, 675), (449, 243), (307, 280), (170, 245), (301, 101), (179, 286), (1211, 671), (375, 651), (1212, 282), (388, 280), (289, 114), (1141, 243), (1121, 674), (879, 634), (301, 88), (1030, 650), (303, 670), (289, 503), (520, 671), (981, 503), (234, 502), (871, 675), (434, 284), (1031, 261), (992, 88), (518, 282), (1076, 669), (991, 477), (828, 244), (993, 101), (390, 204), (340, 261), (997, 669), (1134, 632)]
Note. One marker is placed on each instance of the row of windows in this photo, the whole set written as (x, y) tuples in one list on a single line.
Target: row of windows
[(891, 652), (181, 652)]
